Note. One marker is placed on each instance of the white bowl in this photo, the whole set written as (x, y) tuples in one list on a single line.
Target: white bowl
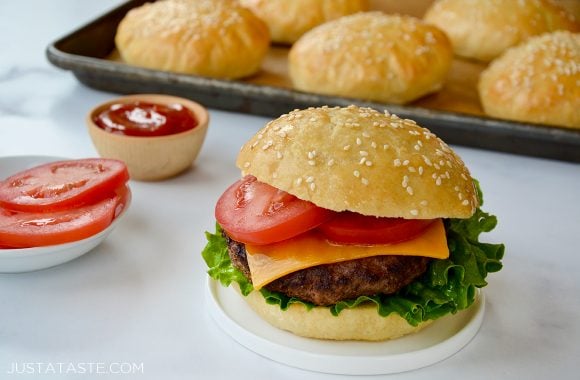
[(20, 260)]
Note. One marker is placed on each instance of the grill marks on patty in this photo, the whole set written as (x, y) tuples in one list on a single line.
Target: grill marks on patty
[(328, 284)]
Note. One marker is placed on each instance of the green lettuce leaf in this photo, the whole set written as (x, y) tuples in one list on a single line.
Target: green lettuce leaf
[(446, 287), (215, 255)]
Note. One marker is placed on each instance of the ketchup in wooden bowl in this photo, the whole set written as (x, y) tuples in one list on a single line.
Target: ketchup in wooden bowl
[(158, 136), (140, 118)]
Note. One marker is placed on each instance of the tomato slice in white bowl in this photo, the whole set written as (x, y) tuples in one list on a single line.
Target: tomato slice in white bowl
[(19, 260), (62, 184), (25, 229)]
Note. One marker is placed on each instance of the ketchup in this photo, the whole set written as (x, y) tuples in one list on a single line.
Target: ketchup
[(146, 119)]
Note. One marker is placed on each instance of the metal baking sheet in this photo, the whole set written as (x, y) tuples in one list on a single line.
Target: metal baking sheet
[(87, 53)]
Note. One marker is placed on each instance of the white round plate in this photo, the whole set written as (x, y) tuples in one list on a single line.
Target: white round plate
[(440, 340), (20, 260)]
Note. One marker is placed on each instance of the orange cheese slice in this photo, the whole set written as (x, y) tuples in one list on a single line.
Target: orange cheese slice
[(270, 262)]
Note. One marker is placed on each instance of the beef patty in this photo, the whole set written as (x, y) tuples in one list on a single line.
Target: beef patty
[(327, 284)]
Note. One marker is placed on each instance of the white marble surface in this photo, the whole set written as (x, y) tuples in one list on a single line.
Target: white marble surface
[(140, 296)]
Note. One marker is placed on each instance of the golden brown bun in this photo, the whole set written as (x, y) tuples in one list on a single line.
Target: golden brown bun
[(538, 81), (361, 323), (288, 20), (213, 38), (361, 160), (374, 56), (483, 29)]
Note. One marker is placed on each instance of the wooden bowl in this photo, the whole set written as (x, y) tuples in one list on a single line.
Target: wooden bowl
[(151, 158)]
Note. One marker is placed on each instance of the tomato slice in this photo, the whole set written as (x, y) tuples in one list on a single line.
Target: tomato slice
[(256, 213), (62, 184), (352, 228), (24, 229)]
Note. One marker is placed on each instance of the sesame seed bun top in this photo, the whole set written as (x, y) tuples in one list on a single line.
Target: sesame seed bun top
[(361, 160), (537, 81)]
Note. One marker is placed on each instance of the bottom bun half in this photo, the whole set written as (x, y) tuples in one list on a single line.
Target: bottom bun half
[(360, 323)]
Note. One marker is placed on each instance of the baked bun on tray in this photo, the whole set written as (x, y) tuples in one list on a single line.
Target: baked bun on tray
[(288, 20), (483, 29), (212, 38), (538, 81), (372, 56)]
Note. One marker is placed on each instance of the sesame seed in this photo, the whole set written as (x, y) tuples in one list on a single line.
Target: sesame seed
[(309, 179), (312, 186), (362, 160), (311, 155), (405, 181), (385, 146), (465, 202), (456, 188), (358, 141), (365, 134), (246, 164), (275, 175), (369, 163), (411, 169), (260, 136), (374, 145), (406, 162), (363, 153), (427, 160), (437, 166), (330, 162), (410, 190), (375, 123), (298, 181), (311, 162), (420, 170), (282, 134), (423, 203), (460, 196), (364, 181), (397, 162), (417, 147), (346, 147), (254, 144), (414, 212), (438, 181), (463, 176), (356, 173)]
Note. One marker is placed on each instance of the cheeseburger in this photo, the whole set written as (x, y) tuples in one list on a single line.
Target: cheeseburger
[(351, 224)]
